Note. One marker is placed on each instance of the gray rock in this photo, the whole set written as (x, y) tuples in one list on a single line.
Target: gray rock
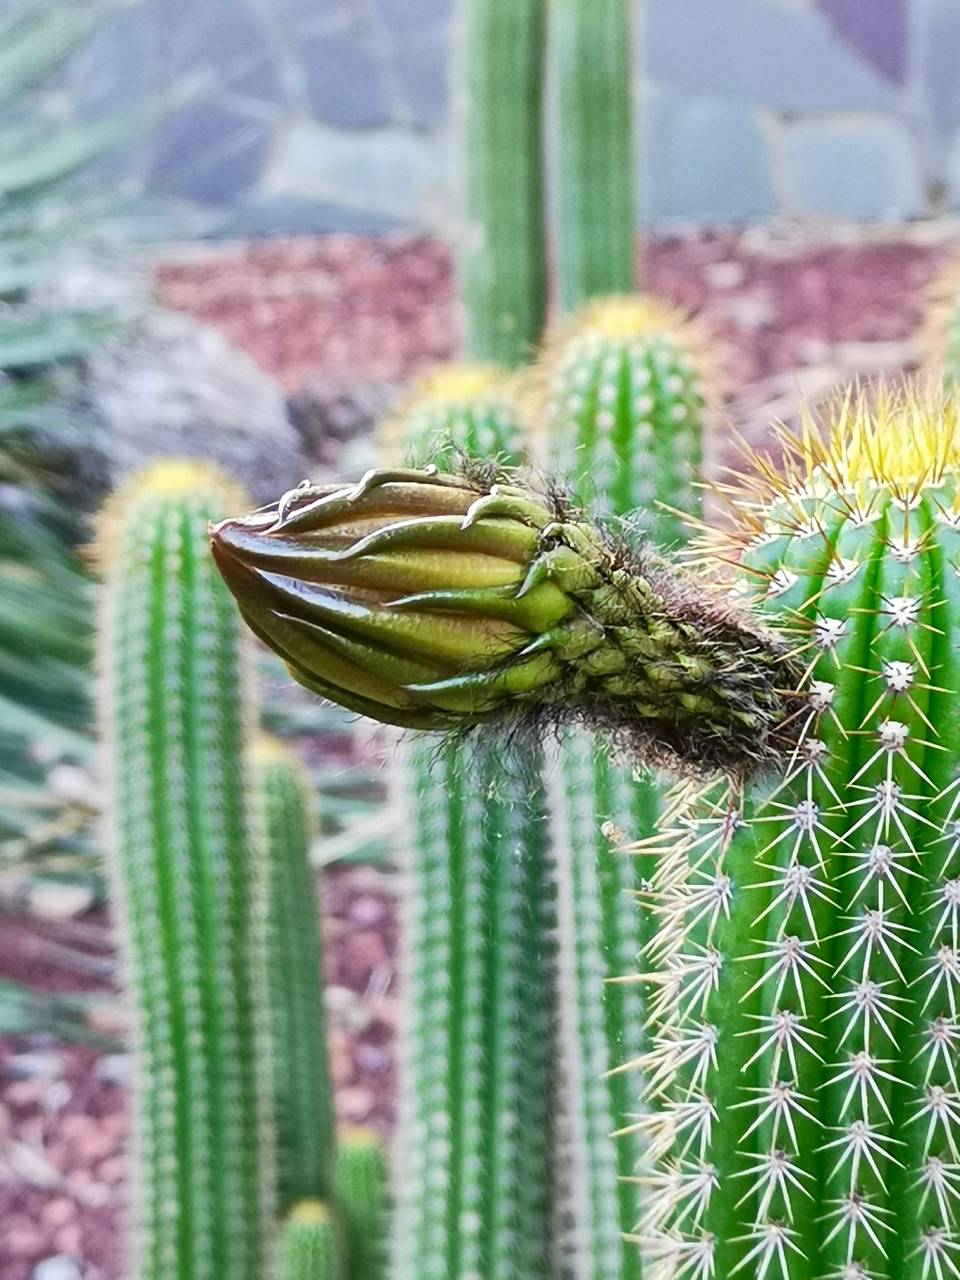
[(854, 168), (172, 387), (115, 1068), (60, 1267)]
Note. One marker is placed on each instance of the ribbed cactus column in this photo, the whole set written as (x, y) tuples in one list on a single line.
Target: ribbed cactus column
[(472, 1177), (502, 252), (473, 1148), (622, 405), (362, 1191), (302, 1093), (806, 965), (175, 710), (591, 44), (311, 1244)]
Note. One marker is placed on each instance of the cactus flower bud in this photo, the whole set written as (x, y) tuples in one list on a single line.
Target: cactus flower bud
[(435, 601)]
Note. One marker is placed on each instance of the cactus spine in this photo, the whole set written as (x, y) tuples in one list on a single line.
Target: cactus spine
[(362, 1183), (303, 1102), (622, 406), (502, 254), (806, 966), (476, 1061), (175, 706), (591, 42), (311, 1245)]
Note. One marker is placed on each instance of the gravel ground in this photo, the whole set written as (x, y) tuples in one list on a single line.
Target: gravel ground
[(800, 308)]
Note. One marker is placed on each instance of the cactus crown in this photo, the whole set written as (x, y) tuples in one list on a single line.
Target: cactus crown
[(802, 1071), (470, 406)]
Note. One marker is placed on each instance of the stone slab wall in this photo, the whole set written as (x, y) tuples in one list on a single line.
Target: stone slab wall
[(337, 114)]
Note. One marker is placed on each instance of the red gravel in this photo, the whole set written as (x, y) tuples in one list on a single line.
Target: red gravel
[(381, 309)]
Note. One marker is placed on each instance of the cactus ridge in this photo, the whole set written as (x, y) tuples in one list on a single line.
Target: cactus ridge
[(175, 708), (302, 1090), (804, 975)]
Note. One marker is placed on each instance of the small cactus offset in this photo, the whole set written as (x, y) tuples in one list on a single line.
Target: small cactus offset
[(175, 709), (805, 972), (622, 402), (502, 252), (302, 1091), (590, 45), (468, 407), (362, 1185), (311, 1244)]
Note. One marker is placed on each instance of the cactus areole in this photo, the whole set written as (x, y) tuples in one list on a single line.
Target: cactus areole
[(804, 1112), (436, 601)]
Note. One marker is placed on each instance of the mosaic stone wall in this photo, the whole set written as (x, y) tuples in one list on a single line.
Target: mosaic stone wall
[(326, 114)]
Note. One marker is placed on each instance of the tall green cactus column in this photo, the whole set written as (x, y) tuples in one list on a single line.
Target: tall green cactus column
[(473, 1149), (622, 405), (302, 1089), (502, 253), (807, 960), (592, 96), (175, 710)]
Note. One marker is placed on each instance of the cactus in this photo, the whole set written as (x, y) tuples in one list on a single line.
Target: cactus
[(476, 1053), (470, 407), (590, 43), (302, 1092), (622, 404), (622, 388), (362, 1184), (502, 252), (805, 972), (175, 707), (473, 1134), (311, 1246)]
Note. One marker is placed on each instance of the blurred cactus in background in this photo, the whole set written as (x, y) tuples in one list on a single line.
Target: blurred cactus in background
[(619, 400), (311, 1244), (472, 1146), (467, 407), (362, 1192), (502, 251), (302, 1090), (176, 711), (590, 52), (940, 335)]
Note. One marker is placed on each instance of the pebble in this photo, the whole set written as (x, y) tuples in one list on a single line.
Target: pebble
[(52, 900), (35, 1066), (115, 1068), (58, 1212), (60, 1267), (367, 911)]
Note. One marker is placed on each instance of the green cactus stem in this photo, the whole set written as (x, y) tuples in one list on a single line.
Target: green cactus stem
[(311, 1244), (473, 1152), (805, 972), (432, 600), (175, 708), (621, 400), (362, 1193), (502, 249), (591, 43), (302, 1091)]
